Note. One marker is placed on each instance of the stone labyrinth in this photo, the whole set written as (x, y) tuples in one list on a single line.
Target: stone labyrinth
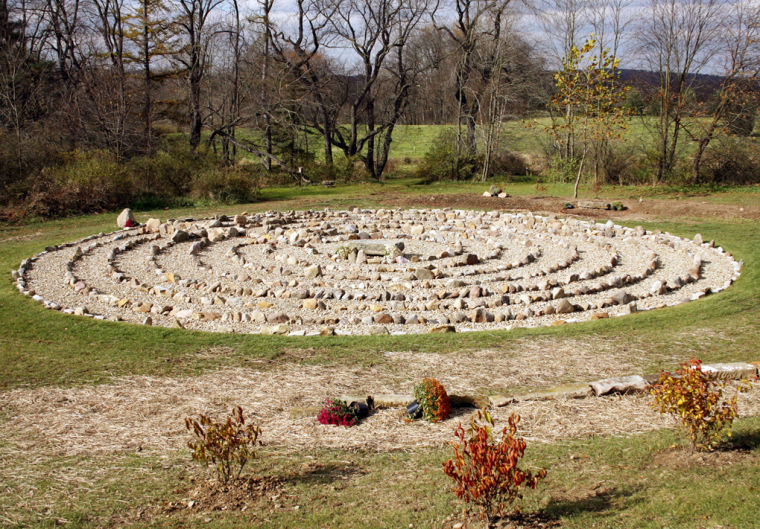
[(372, 272)]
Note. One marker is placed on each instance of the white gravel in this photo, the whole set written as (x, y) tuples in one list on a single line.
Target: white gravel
[(254, 276)]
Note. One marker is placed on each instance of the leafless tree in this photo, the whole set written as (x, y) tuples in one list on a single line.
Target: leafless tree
[(195, 23), (377, 34), (677, 40), (476, 33)]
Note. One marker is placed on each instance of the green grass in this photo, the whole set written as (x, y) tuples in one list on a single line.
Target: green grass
[(39, 347), (640, 481), (598, 482)]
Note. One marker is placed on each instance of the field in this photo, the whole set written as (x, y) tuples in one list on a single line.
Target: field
[(529, 136), (91, 413)]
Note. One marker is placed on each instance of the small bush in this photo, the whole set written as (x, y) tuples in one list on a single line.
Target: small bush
[(507, 163), (441, 161), (433, 400), (228, 444), (485, 470), (229, 185), (339, 413), (697, 402), (731, 160)]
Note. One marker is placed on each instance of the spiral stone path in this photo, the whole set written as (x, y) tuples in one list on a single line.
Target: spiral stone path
[(373, 272)]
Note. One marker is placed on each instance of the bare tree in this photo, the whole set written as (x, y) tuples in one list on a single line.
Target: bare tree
[(194, 21), (299, 49), (477, 33), (678, 41), (378, 34)]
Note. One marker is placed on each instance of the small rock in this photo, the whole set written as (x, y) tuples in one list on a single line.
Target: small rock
[(153, 225), (564, 307), (312, 271), (180, 236), (275, 329), (383, 318), (442, 329)]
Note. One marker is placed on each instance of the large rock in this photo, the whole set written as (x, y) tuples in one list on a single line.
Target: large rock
[(180, 236), (374, 249), (275, 329), (126, 219), (564, 307), (628, 384), (153, 225)]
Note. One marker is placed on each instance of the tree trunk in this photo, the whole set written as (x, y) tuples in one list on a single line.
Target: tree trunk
[(146, 61)]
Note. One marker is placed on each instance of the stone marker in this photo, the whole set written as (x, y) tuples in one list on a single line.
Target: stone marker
[(627, 384), (124, 216)]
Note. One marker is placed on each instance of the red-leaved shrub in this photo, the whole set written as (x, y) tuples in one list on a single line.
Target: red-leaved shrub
[(485, 470)]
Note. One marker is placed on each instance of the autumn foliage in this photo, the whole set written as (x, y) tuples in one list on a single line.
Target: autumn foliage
[(697, 402), (227, 445), (433, 400), (485, 470)]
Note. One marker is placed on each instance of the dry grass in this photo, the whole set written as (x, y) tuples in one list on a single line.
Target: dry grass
[(146, 413)]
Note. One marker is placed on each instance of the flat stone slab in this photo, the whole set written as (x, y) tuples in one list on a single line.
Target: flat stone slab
[(376, 249), (628, 384), (382, 401), (730, 371), (566, 391), (593, 204), (464, 400)]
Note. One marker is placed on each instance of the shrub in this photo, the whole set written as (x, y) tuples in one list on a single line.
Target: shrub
[(339, 413), (442, 163), (697, 402), (433, 400), (731, 160), (228, 444), (485, 470)]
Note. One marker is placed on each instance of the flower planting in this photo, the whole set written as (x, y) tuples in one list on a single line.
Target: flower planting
[(485, 470), (433, 400), (338, 413)]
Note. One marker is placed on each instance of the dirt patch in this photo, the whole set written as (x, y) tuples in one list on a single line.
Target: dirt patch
[(518, 520), (147, 413), (208, 495), (648, 209)]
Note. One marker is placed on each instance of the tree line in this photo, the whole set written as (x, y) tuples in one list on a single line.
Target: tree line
[(274, 77)]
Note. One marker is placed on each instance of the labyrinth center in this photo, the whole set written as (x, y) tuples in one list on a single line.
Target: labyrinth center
[(373, 272)]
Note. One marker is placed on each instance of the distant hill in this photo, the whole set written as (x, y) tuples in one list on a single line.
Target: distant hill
[(645, 81)]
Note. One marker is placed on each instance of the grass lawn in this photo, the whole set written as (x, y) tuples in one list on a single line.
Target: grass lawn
[(633, 481)]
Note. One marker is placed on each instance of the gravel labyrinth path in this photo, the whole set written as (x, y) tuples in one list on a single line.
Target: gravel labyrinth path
[(373, 272)]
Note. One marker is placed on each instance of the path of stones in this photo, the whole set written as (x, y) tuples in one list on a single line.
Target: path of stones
[(373, 272)]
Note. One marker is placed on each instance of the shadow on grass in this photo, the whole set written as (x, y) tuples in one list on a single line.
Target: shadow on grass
[(746, 440), (324, 473), (596, 501)]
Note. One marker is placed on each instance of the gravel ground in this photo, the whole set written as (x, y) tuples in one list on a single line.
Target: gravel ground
[(373, 272)]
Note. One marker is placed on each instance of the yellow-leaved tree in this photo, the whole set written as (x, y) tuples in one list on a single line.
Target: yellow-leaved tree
[(587, 107)]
